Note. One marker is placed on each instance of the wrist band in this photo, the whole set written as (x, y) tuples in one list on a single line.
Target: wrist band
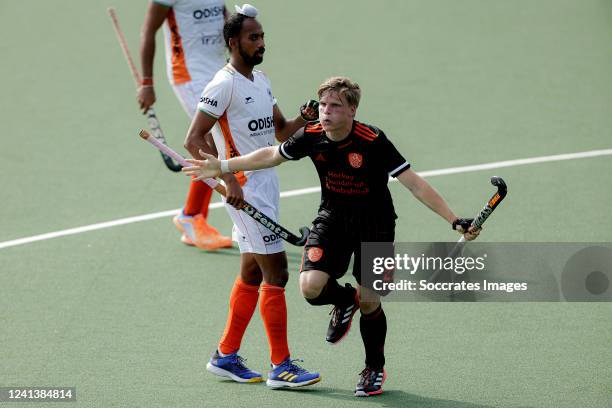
[(146, 81), (225, 166)]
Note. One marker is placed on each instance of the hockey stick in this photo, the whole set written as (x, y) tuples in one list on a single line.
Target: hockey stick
[(151, 116), (246, 207), (488, 209), (482, 216)]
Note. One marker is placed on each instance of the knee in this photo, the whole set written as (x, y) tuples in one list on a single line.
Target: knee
[(250, 272), (251, 277), (279, 278), (310, 288)]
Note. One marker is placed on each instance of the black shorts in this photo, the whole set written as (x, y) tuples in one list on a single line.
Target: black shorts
[(335, 237)]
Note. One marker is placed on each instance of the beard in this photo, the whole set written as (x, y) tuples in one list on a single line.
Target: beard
[(251, 59)]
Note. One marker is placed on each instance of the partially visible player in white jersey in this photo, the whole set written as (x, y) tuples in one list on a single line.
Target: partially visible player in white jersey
[(193, 34), (239, 107)]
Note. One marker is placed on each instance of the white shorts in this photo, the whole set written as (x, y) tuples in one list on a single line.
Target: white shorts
[(262, 191), (189, 94)]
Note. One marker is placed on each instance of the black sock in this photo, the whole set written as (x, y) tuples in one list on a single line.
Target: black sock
[(334, 294), (373, 328)]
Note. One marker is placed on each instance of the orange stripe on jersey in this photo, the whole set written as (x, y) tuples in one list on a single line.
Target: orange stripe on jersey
[(230, 146), (179, 67), (365, 130), (313, 128), (363, 135), (363, 127)]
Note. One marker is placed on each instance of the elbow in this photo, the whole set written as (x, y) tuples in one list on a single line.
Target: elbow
[(190, 146), (188, 143)]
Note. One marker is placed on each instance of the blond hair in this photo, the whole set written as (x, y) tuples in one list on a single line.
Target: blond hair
[(343, 86)]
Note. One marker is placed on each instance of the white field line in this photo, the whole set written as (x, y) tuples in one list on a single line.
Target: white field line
[(310, 190)]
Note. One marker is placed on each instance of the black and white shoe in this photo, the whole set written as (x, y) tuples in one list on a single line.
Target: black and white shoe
[(370, 382), (341, 319)]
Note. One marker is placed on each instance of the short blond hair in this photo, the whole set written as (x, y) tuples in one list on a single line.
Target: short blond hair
[(343, 86)]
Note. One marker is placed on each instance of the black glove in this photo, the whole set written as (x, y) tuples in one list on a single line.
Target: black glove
[(310, 104), (462, 224)]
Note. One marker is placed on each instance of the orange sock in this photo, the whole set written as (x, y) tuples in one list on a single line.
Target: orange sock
[(206, 195), (242, 303), (193, 203), (274, 314)]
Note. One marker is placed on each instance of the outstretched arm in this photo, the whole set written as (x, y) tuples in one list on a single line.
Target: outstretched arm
[(212, 167), (426, 194)]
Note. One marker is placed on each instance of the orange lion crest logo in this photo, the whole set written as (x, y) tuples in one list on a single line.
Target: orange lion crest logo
[(314, 254), (355, 159)]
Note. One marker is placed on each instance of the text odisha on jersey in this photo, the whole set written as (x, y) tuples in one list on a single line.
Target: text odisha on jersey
[(413, 264)]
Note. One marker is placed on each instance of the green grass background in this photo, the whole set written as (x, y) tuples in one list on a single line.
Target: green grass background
[(129, 315)]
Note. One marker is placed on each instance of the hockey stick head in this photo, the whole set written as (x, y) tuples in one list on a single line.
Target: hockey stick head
[(500, 184), (502, 190), (305, 232)]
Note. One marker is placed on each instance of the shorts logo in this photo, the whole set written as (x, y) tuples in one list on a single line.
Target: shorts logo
[(314, 254), (355, 160), (271, 238)]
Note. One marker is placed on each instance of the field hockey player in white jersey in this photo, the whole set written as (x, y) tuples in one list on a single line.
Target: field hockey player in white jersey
[(193, 37), (239, 107)]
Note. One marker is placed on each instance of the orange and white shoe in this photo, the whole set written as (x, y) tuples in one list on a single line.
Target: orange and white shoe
[(207, 237), (184, 223), (196, 231), (185, 240)]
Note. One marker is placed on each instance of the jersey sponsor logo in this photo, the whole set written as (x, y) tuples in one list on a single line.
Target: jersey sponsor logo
[(248, 99), (212, 39), (208, 101), (208, 12), (315, 254), (355, 160), (261, 124)]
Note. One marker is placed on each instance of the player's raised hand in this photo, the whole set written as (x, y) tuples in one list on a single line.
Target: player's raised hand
[(310, 110), (209, 167)]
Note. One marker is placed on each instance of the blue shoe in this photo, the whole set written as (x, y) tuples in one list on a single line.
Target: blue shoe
[(289, 374), (232, 366)]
